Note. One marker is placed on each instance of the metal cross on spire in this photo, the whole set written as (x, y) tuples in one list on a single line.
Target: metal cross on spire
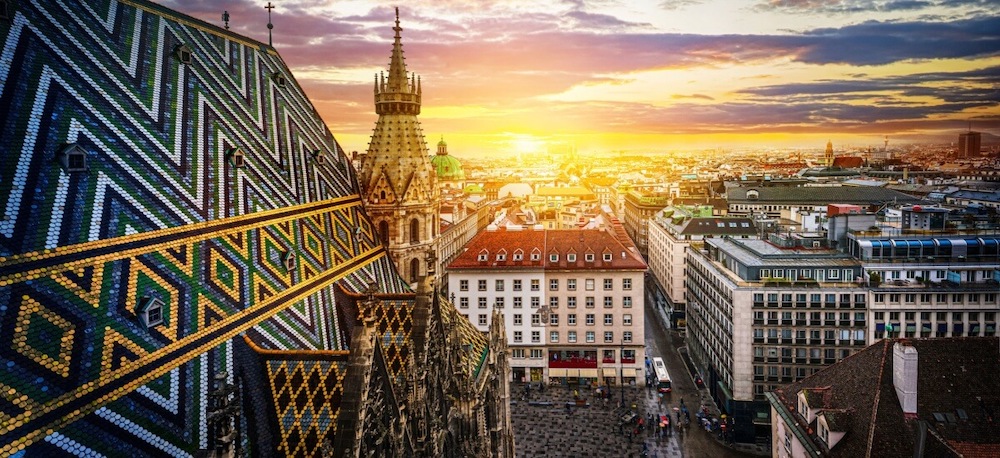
[(270, 26)]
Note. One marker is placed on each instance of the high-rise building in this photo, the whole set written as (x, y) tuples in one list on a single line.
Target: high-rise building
[(969, 143), (397, 179)]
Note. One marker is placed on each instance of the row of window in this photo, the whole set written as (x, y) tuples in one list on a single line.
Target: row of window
[(939, 298), (814, 318), (590, 319), (518, 302), (800, 354), (571, 337), (815, 298), (517, 284), (818, 274), (537, 353), (940, 317), (843, 335)]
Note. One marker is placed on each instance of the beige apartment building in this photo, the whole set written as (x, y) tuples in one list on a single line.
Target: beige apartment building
[(572, 301)]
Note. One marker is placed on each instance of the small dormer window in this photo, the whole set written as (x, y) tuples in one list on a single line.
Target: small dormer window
[(289, 260), (73, 158), (553, 258), (184, 54), (753, 194), (502, 255), (483, 256), (518, 255), (589, 257), (607, 257), (319, 156), (151, 311), (236, 158), (571, 257), (536, 256), (279, 79)]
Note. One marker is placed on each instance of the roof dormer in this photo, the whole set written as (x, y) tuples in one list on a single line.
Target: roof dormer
[(502, 255), (518, 255), (831, 426), (483, 255)]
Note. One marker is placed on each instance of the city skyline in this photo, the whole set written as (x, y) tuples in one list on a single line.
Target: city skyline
[(502, 77)]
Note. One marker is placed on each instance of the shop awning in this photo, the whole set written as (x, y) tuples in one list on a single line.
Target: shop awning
[(572, 372), (557, 373), (591, 373), (610, 372)]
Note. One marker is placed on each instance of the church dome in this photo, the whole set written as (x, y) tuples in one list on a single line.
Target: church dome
[(448, 167)]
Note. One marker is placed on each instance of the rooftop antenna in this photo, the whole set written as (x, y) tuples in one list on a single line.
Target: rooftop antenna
[(225, 19), (270, 26)]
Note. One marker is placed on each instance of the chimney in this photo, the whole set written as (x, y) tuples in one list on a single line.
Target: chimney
[(904, 376)]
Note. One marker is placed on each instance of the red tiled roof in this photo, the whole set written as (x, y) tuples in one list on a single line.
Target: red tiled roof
[(548, 242)]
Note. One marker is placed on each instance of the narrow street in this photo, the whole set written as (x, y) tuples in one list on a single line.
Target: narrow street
[(664, 343)]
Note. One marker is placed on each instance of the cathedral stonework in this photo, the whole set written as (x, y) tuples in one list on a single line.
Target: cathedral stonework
[(396, 176), (187, 263)]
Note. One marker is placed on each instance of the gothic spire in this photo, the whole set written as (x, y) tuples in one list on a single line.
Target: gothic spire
[(399, 94), (397, 64)]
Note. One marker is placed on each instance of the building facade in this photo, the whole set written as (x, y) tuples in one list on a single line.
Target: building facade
[(572, 301), (639, 208), (670, 233)]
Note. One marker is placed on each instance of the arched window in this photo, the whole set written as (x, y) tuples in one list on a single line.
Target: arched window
[(381, 195), (414, 269), (383, 232), (414, 230)]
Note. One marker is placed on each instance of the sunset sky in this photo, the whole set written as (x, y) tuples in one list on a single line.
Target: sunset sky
[(519, 76)]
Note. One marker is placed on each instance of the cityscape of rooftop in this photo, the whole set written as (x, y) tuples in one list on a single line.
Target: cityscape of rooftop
[(517, 77), (773, 233)]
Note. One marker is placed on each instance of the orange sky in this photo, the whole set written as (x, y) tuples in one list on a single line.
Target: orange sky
[(507, 76)]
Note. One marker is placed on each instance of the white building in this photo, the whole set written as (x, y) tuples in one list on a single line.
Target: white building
[(572, 301)]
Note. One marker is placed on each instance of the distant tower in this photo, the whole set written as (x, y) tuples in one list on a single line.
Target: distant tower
[(969, 143), (828, 156), (397, 180)]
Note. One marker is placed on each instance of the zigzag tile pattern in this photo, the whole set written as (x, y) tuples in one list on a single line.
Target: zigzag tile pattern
[(162, 211)]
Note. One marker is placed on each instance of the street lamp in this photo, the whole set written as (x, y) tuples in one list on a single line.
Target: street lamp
[(621, 359)]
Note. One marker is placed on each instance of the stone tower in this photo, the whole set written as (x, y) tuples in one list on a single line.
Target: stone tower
[(397, 179), (828, 154)]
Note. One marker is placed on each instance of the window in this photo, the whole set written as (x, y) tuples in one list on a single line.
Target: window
[(627, 336), (627, 302), (518, 255), (482, 302), (482, 285), (463, 302), (482, 256), (499, 285), (414, 231), (554, 285), (517, 285), (151, 312), (502, 256), (535, 285), (535, 255), (482, 320), (589, 302), (608, 284), (536, 336), (589, 257), (609, 319), (608, 302), (607, 257), (554, 319), (535, 302), (499, 302), (571, 257), (554, 336), (588, 284), (590, 319), (627, 319), (553, 258), (571, 336), (833, 274), (571, 319), (518, 302), (318, 155), (590, 337), (571, 302), (289, 260), (609, 336), (517, 353), (518, 320), (536, 319), (235, 155), (183, 54), (463, 285), (554, 302), (571, 284), (536, 353), (627, 284)]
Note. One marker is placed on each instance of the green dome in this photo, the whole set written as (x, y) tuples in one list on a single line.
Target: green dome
[(448, 168)]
